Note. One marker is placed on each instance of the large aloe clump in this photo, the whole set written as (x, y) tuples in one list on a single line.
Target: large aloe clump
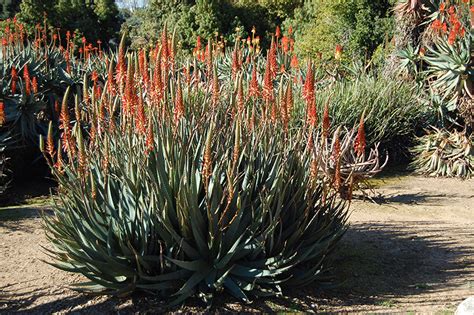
[(188, 181), (205, 207)]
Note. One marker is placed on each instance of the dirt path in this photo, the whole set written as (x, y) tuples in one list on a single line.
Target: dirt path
[(413, 253)]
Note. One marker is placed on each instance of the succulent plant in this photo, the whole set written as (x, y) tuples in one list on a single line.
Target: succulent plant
[(181, 182), (445, 153)]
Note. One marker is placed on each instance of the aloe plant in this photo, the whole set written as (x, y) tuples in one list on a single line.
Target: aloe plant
[(210, 208), (444, 153), (182, 183)]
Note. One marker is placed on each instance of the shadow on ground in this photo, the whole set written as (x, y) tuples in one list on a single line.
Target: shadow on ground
[(374, 264)]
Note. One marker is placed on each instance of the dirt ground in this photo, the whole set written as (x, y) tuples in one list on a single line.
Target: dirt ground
[(411, 253)]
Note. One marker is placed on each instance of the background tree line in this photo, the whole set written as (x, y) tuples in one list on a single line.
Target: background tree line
[(360, 26)]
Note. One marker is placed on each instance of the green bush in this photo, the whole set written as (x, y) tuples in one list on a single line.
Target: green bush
[(392, 107), (358, 25), (203, 18), (97, 20)]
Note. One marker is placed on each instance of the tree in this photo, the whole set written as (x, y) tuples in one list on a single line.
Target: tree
[(359, 25), (96, 19), (107, 13), (8, 8)]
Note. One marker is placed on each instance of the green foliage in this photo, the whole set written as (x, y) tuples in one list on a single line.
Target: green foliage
[(393, 113), (204, 18), (359, 25), (98, 20), (278, 9), (8, 8)]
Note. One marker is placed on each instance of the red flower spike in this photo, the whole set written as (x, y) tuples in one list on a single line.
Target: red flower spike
[(268, 81), (50, 141), (141, 119), (272, 56), (278, 32)]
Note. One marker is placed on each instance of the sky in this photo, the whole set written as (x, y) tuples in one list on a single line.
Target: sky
[(128, 3)]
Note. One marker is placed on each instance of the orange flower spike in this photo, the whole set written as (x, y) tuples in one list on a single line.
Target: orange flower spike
[(150, 141), (309, 96), (178, 105), (308, 88), (215, 88), (59, 160), (207, 159), (360, 141), (49, 140), (2, 113), (141, 119), (268, 82), (26, 77), (289, 99), (240, 97), (294, 62), (34, 85), (278, 32), (312, 113), (272, 56), (235, 61), (254, 90), (14, 75), (338, 52)]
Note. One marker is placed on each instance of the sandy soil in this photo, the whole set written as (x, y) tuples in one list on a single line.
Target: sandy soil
[(411, 253)]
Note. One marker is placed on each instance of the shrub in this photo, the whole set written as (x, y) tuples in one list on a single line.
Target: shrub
[(194, 216), (98, 20), (393, 108), (359, 25)]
